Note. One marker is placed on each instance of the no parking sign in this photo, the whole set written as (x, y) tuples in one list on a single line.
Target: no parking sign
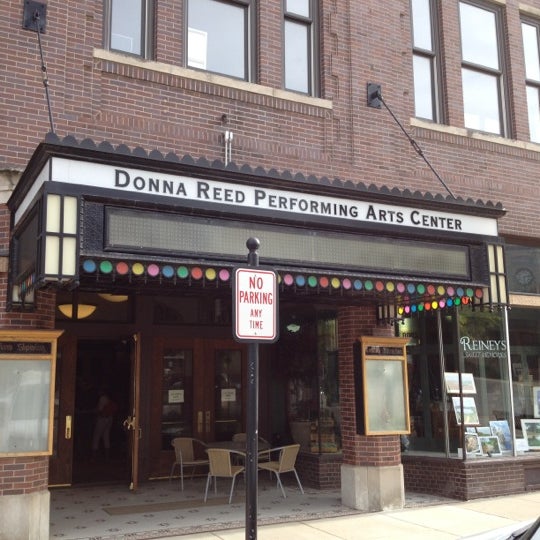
[(255, 305)]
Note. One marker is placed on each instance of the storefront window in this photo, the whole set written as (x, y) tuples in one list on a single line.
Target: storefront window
[(524, 330), (308, 357), (484, 352), (472, 343), (328, 433), (425, 379)]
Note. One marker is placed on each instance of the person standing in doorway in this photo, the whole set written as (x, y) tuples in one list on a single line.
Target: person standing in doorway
[(105, 410)]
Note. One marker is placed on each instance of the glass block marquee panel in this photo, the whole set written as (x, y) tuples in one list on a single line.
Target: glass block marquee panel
[(128, 230)]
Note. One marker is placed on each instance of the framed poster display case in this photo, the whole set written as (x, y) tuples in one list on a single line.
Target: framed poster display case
[(27, 371), (382, 406)]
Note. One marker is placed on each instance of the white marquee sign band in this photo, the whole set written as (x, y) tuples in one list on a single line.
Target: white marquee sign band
[(257, 198)]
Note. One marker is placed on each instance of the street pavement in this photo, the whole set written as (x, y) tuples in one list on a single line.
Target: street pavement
[(445, 521)]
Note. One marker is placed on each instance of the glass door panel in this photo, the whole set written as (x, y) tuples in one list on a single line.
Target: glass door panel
[(228, 393), (176, 395), (196, 391)]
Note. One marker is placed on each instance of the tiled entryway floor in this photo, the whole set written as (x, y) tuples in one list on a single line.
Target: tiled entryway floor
[(159, 509)]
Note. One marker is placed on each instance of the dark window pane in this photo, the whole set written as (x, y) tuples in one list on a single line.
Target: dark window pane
[(423, 87), (523, 269), (217, 37), (126, 26), (296, 57)]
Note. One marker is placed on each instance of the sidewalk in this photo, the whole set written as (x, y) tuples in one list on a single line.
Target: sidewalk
[(441, 522)]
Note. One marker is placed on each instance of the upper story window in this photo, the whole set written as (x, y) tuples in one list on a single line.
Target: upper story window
[(128, 26), (300, 43), (482, 68), (531, 47), (219, 36), (425, 60)]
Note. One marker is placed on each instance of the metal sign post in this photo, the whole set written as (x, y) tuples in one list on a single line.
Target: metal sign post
[(255, 302)]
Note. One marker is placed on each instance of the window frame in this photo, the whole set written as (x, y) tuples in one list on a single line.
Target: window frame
[(531, 83), (500, 74), (250, 39), (146, 30), (433, 55), (313, 46)]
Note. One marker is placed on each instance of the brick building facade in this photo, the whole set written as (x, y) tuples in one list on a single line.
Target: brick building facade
[(147, 92)]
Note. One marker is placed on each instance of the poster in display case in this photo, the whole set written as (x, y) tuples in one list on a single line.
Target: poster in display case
[(381, 386), (27, 371)]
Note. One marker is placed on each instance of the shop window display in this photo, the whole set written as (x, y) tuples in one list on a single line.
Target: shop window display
[(309, 361), (474, 345), (524, 329)]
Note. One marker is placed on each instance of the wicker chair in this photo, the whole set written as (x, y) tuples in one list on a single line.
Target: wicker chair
[(221, 466), (286, 463), (185, 456)]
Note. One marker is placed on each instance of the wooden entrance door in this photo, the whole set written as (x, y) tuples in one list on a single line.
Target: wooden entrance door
[(61, 461), (198, 392), (132, 422)]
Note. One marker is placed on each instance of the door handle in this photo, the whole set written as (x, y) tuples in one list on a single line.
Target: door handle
[(68, 427), (207, 422), (199, 422)]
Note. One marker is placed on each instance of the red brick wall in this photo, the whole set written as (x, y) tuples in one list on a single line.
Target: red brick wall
[(471, 479), (361, 42), (19, 475), (371, 451), (22, 475), (320, 471)]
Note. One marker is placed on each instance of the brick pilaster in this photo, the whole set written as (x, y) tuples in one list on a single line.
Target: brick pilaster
[(374, 451)]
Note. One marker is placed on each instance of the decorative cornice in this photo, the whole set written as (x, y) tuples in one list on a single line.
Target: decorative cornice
[(106, 151)]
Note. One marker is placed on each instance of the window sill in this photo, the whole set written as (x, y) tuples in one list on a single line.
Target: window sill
[(212, 78), (478, 135)]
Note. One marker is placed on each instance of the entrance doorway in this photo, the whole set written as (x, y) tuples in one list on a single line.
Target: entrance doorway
[(93, 398), (197, 391), (102, 403)]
